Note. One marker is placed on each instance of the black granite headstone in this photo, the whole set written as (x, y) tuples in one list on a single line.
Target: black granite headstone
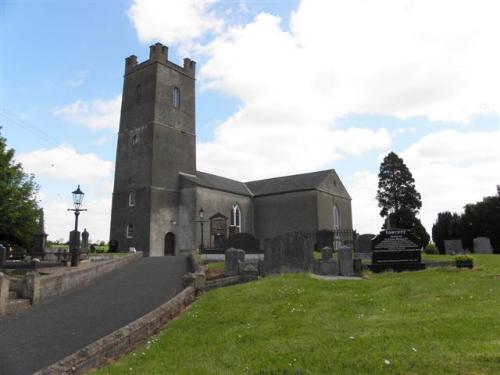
[(396, 249), (244, 241)]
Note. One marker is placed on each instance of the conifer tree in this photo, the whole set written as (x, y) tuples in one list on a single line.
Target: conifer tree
[(396, 187)]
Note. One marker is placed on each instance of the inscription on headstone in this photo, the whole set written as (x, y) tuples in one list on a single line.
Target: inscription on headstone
[(398, 249)]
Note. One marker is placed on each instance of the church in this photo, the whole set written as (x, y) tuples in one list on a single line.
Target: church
[(162, 205)]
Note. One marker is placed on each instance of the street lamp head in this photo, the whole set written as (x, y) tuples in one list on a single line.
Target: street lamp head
[(201, 213), (78, 197)]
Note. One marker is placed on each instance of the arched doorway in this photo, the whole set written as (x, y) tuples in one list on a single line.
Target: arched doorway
[(169, 244)]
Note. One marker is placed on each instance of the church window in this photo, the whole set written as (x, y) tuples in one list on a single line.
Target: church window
[(134, 139), (176, 97), (130, 230), (336, 218), (131, 198), (236, 219)]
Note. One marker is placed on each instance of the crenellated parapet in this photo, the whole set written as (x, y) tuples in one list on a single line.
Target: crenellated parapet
[(158, 53)]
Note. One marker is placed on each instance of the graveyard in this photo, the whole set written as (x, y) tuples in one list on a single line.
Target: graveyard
[(437, 321)]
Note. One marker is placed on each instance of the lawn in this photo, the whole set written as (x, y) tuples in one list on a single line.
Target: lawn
[(438, 321)]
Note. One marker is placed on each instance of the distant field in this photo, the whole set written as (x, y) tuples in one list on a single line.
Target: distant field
[(438, 321)]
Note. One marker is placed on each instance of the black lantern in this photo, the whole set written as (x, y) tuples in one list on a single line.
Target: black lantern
[(78, 197)]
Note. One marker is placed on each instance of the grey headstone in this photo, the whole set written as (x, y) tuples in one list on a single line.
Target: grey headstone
[(344, 256), (364, 243), (482, 245), (244, 241), (3, 254), (326, 253), (326, 267), (290, 252), (233, 258), (453, 247)]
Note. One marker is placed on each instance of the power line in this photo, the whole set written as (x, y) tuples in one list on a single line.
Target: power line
[(30, 128)]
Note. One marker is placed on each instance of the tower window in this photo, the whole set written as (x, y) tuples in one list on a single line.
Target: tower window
[(130, 230), (176, 97), (131, 199), (235, 224)]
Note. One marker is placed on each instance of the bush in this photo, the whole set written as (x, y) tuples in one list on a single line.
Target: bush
[(463, 258), (431, 248)]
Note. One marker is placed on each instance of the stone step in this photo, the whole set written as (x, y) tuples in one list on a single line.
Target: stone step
[(13, 294), (17, 305)]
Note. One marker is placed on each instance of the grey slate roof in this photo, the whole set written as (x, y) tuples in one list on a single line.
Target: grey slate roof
[(298, 182), (277, 185), (212, 181)]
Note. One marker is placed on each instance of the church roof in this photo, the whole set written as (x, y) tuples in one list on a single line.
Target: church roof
[(298, 182), (286, 184), (212, 181)]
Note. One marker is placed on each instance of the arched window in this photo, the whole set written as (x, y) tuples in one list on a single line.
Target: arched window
[(130, 230), (235, 224), (176, 97), (131, 198), (336, 218)]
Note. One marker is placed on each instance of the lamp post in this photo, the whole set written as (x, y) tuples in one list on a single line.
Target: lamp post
[(201, 213), (77, 203)]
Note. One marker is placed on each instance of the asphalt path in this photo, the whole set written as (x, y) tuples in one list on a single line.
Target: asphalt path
[(37, 337)]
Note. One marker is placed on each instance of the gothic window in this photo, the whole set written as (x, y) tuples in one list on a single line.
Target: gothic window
[(235, 219), (336, 218), (130, 230), (134, 139), (131, 198), (176, 97)]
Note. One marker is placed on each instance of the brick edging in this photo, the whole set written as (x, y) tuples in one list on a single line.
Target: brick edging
[(122, 341)]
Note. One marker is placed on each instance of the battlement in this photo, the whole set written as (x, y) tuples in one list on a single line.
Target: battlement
[(158, 53)]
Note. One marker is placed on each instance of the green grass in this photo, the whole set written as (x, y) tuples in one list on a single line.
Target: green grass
[(215, 266), (438, 321)]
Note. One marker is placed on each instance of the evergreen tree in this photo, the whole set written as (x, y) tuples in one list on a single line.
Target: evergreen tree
[(447, 227), (396, 187), (18, 207), (398, 198)]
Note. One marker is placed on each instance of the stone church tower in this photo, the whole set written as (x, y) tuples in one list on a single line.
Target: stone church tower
[(156, 141)]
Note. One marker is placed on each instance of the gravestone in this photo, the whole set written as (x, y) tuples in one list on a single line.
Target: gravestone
[(290, 252), (344, 257), (324, 238), (40, 239), (453, 247), (364, 243), (244, 241), (3, 254), (232, 261), (482, 245), (85, 240), (326, 253), (396, 249)]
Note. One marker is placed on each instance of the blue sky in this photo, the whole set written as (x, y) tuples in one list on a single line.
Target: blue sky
[(282, 87)]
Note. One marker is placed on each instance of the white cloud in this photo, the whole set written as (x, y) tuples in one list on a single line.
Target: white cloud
[(58, 170), (98, 114), (78, 79), (64, 163), (452, 169), (362, 187), (173, 22)]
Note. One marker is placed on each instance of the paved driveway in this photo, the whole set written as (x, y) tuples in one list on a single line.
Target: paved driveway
[(38, 337)]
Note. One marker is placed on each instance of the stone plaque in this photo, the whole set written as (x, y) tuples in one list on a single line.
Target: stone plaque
[(453, 247), (482, 245), (396, 249)]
